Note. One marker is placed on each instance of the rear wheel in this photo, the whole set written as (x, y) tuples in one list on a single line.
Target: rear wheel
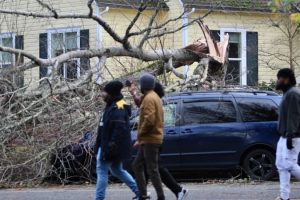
[(259, 164)]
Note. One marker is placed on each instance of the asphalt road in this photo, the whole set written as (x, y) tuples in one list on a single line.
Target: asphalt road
[(260, 191)]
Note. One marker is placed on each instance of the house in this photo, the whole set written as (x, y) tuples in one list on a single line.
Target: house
[(257, 47)]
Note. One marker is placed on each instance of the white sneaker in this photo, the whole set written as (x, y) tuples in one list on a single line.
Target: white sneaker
[(182, 194)]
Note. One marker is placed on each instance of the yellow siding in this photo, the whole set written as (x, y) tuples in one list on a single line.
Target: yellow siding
[(269, 37), (32, 27), (119, 19)]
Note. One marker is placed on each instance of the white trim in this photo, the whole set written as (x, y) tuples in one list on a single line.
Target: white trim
[(243, 59), (99, 41), (236, 59), (63, 29), (8, 35), (185, 33), (49, 42)]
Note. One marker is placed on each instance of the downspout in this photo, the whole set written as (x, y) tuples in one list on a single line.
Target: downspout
[(185, 33), (99, 40)]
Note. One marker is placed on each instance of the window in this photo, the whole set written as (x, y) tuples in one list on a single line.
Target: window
[(61, 41), (169, 115), (206, 112), (237, 67), (257, 110), (8, 60), (7, 40)]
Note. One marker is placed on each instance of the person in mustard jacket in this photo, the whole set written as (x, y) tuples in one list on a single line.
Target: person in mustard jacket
[(149, 139)]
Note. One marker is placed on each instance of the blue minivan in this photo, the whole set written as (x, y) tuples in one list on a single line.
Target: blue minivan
[(220, 130), (213, 130)]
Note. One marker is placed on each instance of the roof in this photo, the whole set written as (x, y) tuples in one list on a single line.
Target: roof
[(229, 5), (131, 4), (226, 92)]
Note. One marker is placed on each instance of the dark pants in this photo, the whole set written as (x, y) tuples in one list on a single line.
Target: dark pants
[(148, 154), (169, 180)]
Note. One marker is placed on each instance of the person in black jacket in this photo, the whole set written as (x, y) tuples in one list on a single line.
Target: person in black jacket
[(288, 147), (113, 144)]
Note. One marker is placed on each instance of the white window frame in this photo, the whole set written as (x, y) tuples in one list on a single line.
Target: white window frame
[(243, 59), (8, 35), (63, 30)]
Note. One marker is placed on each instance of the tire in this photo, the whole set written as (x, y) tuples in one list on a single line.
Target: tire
[(259, 164)]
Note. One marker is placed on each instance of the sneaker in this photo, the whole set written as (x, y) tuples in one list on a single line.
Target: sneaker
[(181, 195), (143, 198)]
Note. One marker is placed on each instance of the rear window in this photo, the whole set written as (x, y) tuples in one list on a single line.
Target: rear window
[(206, 112), (257, 110)]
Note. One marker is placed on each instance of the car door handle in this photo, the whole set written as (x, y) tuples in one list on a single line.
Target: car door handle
[(187, 131), (171, 132)]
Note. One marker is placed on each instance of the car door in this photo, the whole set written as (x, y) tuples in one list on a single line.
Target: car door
[(211, 133), (260, 116), (170, 154)]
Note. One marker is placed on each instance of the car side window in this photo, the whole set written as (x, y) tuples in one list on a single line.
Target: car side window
[(257, 110), (206, 112), (169, 115)]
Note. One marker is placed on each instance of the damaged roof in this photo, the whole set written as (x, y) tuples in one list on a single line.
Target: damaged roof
[(230, 5)]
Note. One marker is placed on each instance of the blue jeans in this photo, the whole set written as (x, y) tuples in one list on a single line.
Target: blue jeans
[(116, 168)]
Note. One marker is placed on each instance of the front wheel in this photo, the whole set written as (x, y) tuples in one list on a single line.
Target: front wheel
[(259, 164)]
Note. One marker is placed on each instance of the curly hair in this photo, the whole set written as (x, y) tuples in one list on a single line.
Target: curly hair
[(287, 73), (159, 89)]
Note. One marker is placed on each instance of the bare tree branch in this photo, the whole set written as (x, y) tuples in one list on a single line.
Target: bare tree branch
[(157, 27), (89, 4), (105, 25), (180, 28), (151, 21), (138, 14), (170, 67), (47, 6)]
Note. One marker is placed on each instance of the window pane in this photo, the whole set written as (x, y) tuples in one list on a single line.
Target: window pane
[(170, 115), (234, 50), (257, 110), (233, 73), (71, 41), (234, 37), (7, 58), (57, 43), (72, 69), (209, 112), (234, 45), (7, 42)]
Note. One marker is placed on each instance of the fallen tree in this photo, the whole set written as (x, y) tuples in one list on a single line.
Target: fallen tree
[(36, 123)]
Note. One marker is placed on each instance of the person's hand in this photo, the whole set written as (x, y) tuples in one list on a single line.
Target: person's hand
[(136, 145), (289, 143), (131, 87)]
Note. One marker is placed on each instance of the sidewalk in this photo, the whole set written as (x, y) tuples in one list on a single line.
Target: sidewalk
[(261, 191)]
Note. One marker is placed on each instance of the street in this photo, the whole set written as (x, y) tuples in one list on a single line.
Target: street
[(257, 191)]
